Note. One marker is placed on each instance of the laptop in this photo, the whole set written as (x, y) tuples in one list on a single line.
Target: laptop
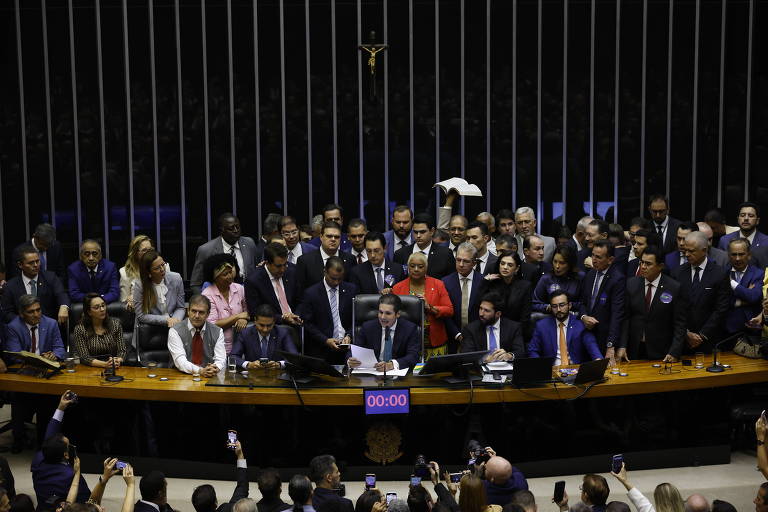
[(591, 371), (532, 372)]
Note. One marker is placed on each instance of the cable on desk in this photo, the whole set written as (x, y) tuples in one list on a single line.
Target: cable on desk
[(298, 394), (471, 400)]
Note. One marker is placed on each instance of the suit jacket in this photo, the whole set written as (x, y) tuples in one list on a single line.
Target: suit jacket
[(247, 345), (760, 240), (517, 298), (707, 305), (549, 246), (632, 268), (390, 238), (211, 247), (315, 310), (440, 261), (582, 255), (48, 337), (474, 338), (241, 490), (363, 276), (322, 496), (582, 345), (275, 505), (259, 290), (406, 344), (174, 302), (490, 264), (760, 257), (306, 247), (54, 258), (106, 282), (608, 307), (50, 291), (746, 300), (533, 271), (621, 258), (51, 479), (670, 234), (663, 325), (672, 261), (453, 287), (310, 269)]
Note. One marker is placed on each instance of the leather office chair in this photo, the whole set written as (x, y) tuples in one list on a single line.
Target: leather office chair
[(366, 307), (152, 344)]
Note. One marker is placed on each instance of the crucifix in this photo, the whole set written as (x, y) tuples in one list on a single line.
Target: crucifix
[(372, 48)]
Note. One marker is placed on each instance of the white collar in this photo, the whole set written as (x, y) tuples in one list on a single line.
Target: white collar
[(484, 257), (271, 277), (655, 282), (322, 252), (392, 329), (469, 276), (663, 224), (192, 328), (426, 250), (227, 247), (328, 288), (496, 325)]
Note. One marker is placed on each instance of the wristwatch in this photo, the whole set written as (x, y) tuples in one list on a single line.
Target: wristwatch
[(609, 345)]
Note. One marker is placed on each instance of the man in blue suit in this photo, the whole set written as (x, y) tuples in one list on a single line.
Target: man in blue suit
[(602, 298), (394, 340), (466, 280), (749, 219), (289, 230), (676, 258), (562, 336), (327, 313), (400, 235), (261, 341), (52, 469), (93, 274), (34, 281), (34, 332), (747, 284)]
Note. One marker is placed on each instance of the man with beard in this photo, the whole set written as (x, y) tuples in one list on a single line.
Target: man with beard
[(494, 332), (400, 235)]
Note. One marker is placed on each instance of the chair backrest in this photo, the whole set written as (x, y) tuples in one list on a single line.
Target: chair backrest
[(366, 307), (152, 344)]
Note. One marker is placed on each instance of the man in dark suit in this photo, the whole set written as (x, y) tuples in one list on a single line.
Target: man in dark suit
[(465, 287), (204, 497), (310, 267), (230, 240), (52, 469), (718, 255), (327, 313), (749, 219), (274, 283), (49, 249), (677, 258), (356, 231), (377, 275), (395, 341), (493, 332), (479, 236), (334, 213), (324, 472), (93, 274), (269, 229), (642, 239), (271, 488), (440, 261), (289, 230), (578, 240), (534, 266), (654, 323), (400, 235), (746, 281), (663, 225), (262, 340), (602, 298), (31, 331), (154, 493), (595, 230), (562, 335), (43, 284), (705, 286)]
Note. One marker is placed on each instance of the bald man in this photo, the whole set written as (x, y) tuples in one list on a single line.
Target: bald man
[(697, 503), (489, 220), (502, 480), (718, 255)]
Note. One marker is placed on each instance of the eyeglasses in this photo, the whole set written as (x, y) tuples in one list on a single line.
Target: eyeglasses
[(98, 307)]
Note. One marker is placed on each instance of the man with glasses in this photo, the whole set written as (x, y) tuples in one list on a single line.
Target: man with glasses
[(274, 283), (43, 284), (465, 287), (196, 345), (289, 230), (562, 335), (663, 225), (310, 268), (93, 274)]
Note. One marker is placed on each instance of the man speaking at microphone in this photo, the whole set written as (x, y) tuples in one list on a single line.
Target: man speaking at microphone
[(394, 340)]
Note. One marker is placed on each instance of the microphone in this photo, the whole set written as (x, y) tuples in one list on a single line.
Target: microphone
[(716, 367), (111, 375)]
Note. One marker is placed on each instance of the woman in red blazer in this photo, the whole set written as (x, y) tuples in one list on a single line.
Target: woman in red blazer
[(437, 303)]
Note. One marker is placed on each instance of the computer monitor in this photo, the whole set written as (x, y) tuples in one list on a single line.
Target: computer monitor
[(458, 364)]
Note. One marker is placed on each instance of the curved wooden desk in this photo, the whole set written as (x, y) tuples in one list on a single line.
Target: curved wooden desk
[(642, 378)]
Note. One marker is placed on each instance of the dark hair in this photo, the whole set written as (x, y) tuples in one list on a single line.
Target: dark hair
[(714, 215), (299, 489), (569, 255), (148, 295), (366, 500), (656, 252), (744, 241), (472, 497), (640, 221), (564, 232), (617, 506), (602, 226), (356, 222), (393, 300), (268, 480), (270, 223), (402, 208), (216, 260), (53, 449), (476, 224), (375, 236), (24, 250), (334, 263), (750, 204), (418, 498), (506, 239), (424, 218), (722, 506), (329, 224), (265, 310), (611, 250), (330, 207), (688, 226), (85, 318), (505, 254), (198, 299), (22, 503), (321, 465), (558, 293), (286, 220), (45, 232), (225, 216), (527, 241), (616, 231), (152, 486), (441, 235), (764, 486), (274, 250), (596, 489), (651, 237), (26, 300), (504, 213), (204, 498), (495, 299), (658, 197), (524, 498)]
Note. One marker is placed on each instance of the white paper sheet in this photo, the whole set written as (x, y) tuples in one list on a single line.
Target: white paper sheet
[(366, 356), (370, 371)]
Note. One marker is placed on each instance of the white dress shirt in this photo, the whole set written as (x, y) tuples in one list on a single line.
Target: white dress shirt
[(27, 285), (655, 284), (238, 254), (297, 251), (424, 250), (664, 226), (702, 266), (325, 255), (483, 261), (37, 336), (383, 338), (179, 355), (363, 253)]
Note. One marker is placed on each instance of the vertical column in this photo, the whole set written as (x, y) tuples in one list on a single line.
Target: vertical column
[(386, 115), (669, 93), (180, 109), (723, 15), (257, 111), (153, 88), (129, 130), (437, 104), (411, 150), (335, 107), (642, 104), (230, 76), (748, 130), (564, 178), (538, 110), (463, 147), (616, 110), (49, 131), (100, 74), (282, 110), (206, 129), (592, 110), (514, 104), (22, 115), (75, 119), (309, 103), (488, 105), (694, 147), (361, 178)]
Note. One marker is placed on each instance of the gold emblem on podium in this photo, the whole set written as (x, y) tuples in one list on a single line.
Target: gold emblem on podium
[(383, 440)]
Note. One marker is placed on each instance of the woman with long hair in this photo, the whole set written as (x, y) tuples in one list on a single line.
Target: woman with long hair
[(472, 497), (98, 335), (564, 276), (505, 280), (158, 297), (130, 271), (668, 498)]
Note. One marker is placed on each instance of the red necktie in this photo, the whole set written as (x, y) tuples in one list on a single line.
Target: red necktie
[(359, 258), (197, 348), (34, 339), (648, 297)]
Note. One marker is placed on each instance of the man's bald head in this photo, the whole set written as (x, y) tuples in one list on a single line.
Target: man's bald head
[(696, 503), (498, 470), (707, 230)]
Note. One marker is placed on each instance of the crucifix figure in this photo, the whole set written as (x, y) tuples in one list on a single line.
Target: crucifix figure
[(372, 48)]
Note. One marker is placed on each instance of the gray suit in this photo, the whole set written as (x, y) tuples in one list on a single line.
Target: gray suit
[(549, 247), (174, 302), (720, 257), (247, 249)]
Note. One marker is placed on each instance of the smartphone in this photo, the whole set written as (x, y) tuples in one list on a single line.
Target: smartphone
[(231, 439), (71, 395), (391, 496), (559, 493), (455, 477), (617, 462), (72, 453), (370, 481), (120, 465), (687, 362), (415, 480)]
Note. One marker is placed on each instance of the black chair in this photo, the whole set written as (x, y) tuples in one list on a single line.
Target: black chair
[(366, 307), (152, 344)]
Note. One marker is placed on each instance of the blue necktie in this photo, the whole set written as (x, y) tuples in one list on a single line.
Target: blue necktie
[(595, 290), (387, 354), (33, 287), (379, 278), (264, 347), (492, 345), (43, 261)]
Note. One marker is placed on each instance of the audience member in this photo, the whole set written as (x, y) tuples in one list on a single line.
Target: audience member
[(617, 506), (746, 281), (697, 503), (290, 233), (515, 291), (32, 280), (500, 336), (719, 256), (34, 332), (506, 242), (525, 225), (326, 476), (93, 274), (748, 220), (154, 493), (562, 336), (488, 219), (437, 303), (300, 491), (376, 275), (722, 506), (533, 266), (49, 251), (642, 239), (441, 261), (370, 501), (130, 272), (472, 495), (204, 497), (640, 502), (98, 338), (229, 241), (457, 231), (396, 505), (667, 498), (596, 230), (663, 225), (158, 298), (419, 499), (274, 283), (334, 213), (564, 277), (716, 221), (635, 225), (505, 222), (310, 268), (761, 500), (578, 240), (525, 499), (228, 306), (262, 340), (677, 258), (464, 287), (502, 481), (197, 345)]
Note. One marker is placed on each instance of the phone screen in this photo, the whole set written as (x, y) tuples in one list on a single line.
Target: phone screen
[(370, 480), (559, 491), (391, 496), (618, 460), (231, 438), (119, 465), (415, 480), (455, 478)]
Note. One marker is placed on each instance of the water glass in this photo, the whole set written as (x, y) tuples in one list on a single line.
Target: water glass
[(70, 364), (231, 365), (699, 359), (196, 375), (151, 369)]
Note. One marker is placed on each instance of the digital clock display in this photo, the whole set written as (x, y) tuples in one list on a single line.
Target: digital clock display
[(387, 401)]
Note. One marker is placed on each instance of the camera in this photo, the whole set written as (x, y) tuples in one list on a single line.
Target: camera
[(478, 454), (72, 396), (421, 468)]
